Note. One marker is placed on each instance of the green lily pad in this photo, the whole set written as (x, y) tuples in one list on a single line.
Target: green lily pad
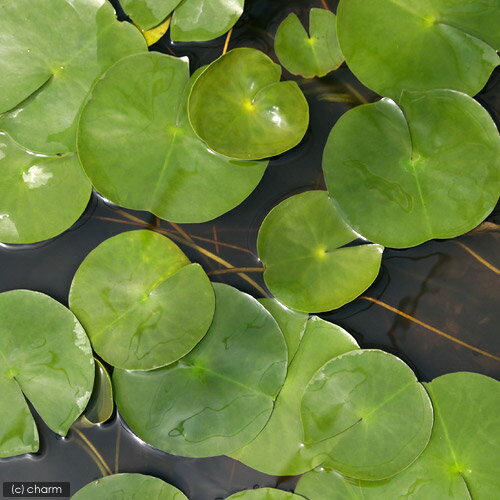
[(149, 13), (50, 55), (461, 461), (140, 300), (292, 324), (264, 494), (101, 404), (428, 168), (138, 148), (40, 196), (309, 54), (45, 356), (129, 487), (239, 107), (218, 397), (392, 45), (279, 449), (301, 244), (372, 408)]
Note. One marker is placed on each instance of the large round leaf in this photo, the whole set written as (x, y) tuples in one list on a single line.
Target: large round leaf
[(392, 45), (301, 243), (264, 494), (220, 396), (309, 54), (40, 196), (138, 148), (129, 487), (428, 168), (45, 356), (372, 408), (239, 107), (461, 461), (50, 54), (279, 449), (141, 301)]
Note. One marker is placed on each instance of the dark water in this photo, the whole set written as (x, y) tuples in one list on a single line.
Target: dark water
[(442, 284)]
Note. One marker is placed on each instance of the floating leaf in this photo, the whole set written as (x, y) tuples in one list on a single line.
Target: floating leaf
[(141, 301), (371, 407), (428, 168), (264, 494), (292, 324), (460, 462), (40, 196), (279, 449), (220, 396), (50, 55), (129, 487), (45, 357), (300, 244), (313, 54), (239, 107), (154, 34), (149, 14), (101, 404), (392, 45), (138, 148)]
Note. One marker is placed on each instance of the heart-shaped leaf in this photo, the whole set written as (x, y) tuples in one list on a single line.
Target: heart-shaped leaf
[(141, 301), (461, 461), (129, 487), (309, 54), (45, 356), (279, 449), (372, 409), (50, 55), (301, 242), (428, 168), (393, 45), (239, 107), (101, 403), (218, 397), (264, 494), (138, 148), (40, 196)]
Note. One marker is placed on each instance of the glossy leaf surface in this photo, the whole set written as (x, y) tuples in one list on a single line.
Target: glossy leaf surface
[(218, 397), (393, 45), (40, 196), (461, 461), (140, 300), (149, 13), (129, 487), (374, 407), (428, 168), (138, 148), (280, 449), (309, 54), (60, 48), (301, 243), (241, 109), (45, 356), (264, 494), (101, 404)]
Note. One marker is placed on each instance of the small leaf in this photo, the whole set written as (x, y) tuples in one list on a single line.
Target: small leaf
[(264, 494), (101, 403)]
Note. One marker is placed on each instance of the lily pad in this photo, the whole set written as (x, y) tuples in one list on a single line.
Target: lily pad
[(264, 494), (138, 148), (40, 196), (374, 407), (129, 487), (50, 55), (428, 168), (45, 356), (392, 45), (149, 13), (141, 301), (459, 463), (279, 449), (101, 404), (218, 397), (239, 107), (309, 54), (301, 243)]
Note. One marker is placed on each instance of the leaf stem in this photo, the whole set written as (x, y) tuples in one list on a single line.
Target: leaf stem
[(490, 266), (226, 43), (99, 460)]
